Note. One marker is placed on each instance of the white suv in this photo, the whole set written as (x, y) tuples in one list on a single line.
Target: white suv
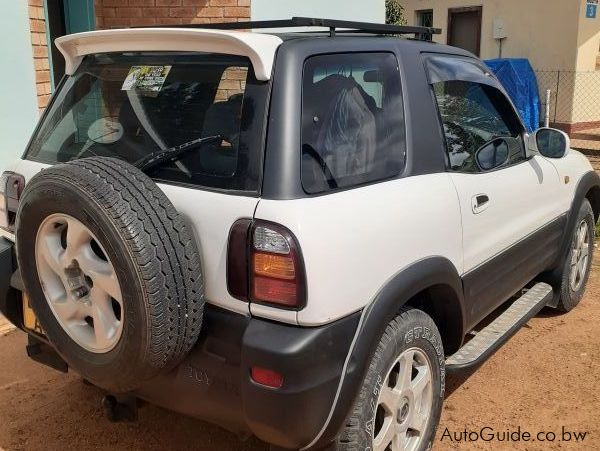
[(290, 235)]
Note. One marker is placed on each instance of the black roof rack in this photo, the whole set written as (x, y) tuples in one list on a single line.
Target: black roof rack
[(332, 24)]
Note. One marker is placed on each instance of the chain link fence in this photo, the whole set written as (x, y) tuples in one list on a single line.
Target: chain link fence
[(574, 104)]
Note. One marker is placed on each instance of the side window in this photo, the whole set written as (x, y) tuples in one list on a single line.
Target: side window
[(352, 120), (481, 128)]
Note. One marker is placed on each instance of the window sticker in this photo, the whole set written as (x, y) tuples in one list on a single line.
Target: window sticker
[(148, 80)]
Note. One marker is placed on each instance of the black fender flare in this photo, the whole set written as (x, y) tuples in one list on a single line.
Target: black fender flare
[(403, 286), (587, 182)]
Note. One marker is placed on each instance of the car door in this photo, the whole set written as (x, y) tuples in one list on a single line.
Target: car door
[(511, 225)]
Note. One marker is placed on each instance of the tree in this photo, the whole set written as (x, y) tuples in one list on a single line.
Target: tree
[(394, 13)]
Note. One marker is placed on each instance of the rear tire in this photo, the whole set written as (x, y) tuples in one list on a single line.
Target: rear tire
[(409, 402), (129, 279), (576, 270)]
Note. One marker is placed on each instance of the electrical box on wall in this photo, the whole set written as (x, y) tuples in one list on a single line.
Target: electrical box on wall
[(499, 29)]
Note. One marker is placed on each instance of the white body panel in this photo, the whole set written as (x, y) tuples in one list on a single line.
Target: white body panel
[(354, 241), (260, 48), (522, 198), (570, 169), (211, 216)]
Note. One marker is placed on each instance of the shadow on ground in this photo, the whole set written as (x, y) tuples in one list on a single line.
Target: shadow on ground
[(41, 409)]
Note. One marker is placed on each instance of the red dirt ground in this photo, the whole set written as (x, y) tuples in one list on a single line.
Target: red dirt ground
[(546, 378)]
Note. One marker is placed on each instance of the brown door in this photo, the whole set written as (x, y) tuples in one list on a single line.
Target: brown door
[(464, 28)]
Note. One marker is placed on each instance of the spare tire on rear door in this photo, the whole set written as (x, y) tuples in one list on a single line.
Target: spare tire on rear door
[(111, 269)]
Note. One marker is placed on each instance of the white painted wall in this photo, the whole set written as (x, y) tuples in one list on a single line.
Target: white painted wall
[(18, 102), (361, 10), (544, 31)]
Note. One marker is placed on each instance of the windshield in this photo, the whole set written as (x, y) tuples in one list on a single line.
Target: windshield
[(129, 106)]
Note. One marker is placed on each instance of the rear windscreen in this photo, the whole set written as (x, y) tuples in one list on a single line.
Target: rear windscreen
[(128, 106)]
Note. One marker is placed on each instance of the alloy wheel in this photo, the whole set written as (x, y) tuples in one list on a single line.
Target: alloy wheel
[(80, 283), (405, 403), (580, 256)]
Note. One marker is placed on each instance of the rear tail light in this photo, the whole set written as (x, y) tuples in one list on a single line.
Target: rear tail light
[(278, 266), (11, 188), (275, 291), (237, 259), (265, 265), (268, 240)]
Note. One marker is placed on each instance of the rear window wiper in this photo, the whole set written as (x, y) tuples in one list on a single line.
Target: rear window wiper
[(173, 153)]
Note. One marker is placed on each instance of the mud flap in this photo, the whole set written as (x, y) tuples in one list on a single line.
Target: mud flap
[(43, 353)]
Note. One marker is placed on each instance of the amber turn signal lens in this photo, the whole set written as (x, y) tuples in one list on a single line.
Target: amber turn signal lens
[(271, 265)]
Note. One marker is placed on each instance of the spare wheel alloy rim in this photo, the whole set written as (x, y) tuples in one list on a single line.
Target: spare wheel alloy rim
[(405, 404), (80, 283)]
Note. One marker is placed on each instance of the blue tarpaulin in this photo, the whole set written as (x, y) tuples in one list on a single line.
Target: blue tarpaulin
[(518, 78)]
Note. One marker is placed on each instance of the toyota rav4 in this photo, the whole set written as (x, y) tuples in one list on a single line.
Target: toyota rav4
[(293, 235)]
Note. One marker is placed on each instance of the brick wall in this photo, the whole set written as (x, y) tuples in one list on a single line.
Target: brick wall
[(233, 82), (37, 25), (125, 13)]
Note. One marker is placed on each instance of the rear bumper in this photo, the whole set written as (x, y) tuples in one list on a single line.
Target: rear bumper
[(213, 383)]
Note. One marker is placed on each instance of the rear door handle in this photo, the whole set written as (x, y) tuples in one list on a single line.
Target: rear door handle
[(480, 202)]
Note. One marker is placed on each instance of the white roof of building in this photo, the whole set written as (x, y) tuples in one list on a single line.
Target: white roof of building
[(259, 48)]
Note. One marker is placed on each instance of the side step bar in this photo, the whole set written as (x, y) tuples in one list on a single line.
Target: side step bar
[(491, 338)]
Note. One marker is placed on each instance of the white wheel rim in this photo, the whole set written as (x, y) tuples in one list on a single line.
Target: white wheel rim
[(405, 404), (580, 256), (80, 283)]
